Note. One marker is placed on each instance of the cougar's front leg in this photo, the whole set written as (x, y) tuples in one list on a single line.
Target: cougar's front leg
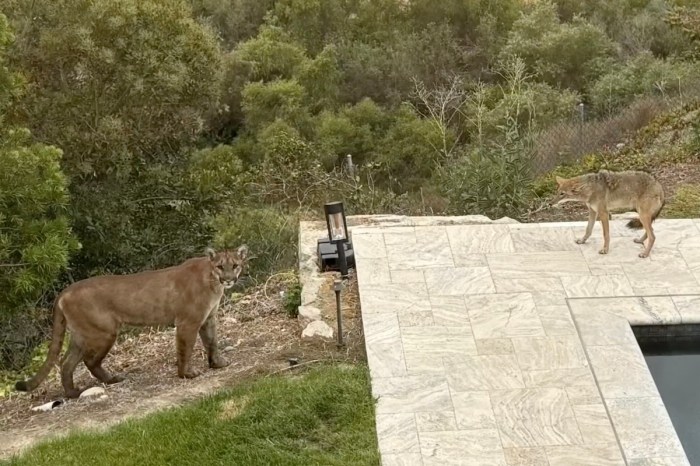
[(592, 215), (207, 333), (185, 335)]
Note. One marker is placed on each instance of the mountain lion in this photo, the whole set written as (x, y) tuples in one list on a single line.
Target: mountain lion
[(93, 310)]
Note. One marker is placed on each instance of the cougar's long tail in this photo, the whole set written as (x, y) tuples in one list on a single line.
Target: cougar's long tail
[(59, 332), (636, 224)]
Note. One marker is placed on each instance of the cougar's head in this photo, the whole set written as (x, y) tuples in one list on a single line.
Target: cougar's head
[(227, 266), (570, 189)]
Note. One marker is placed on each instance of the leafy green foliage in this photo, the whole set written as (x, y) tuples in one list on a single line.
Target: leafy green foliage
[(137, 79), (643, 75), (235, 20), (263, 103), (292, 298), (35, 234), (324, 416), (561, 54), (269, 233), (492, 180)]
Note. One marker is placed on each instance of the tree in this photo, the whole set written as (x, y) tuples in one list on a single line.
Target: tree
[(561, 54), (123, 87), (35, 235)]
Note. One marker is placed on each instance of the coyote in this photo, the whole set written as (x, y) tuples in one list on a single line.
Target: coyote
[(606, 190)]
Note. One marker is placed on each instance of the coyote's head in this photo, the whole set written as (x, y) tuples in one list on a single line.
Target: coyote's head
[(571, 189)]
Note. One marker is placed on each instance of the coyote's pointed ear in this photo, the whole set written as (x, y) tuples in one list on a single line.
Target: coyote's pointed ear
[(210, 253), (560, 180), (243, 252)]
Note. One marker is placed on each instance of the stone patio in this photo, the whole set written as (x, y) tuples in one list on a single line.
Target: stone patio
[(510, 344)]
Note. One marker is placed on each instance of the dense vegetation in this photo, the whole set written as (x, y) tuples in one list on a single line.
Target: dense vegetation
[(135, 132)]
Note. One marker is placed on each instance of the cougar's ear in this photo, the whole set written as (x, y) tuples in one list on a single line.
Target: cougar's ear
[(242, 252), (210, 253)]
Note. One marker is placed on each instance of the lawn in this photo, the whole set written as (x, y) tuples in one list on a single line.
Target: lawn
[(323, 416)]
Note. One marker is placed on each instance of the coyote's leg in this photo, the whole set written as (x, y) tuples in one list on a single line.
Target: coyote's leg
[(592, 214), (642, 239), (605, 220), (649, 233)]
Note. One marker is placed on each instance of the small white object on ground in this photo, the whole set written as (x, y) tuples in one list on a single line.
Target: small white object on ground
[(317, 329), (48, 406), (92, 391)]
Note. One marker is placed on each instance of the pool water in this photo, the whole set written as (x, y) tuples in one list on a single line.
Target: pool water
[(675, 367)]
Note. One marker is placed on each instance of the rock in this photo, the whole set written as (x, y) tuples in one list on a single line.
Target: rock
[(505, 220), (228, 349), (93, 391), (317, 330), (308, 314)]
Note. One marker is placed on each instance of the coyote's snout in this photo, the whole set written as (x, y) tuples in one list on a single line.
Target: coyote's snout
[(606, 190)]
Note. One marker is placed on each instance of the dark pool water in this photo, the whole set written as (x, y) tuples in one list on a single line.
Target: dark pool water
[(676, 371)]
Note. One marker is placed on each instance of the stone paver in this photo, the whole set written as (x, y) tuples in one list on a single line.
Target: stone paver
[(510, 344)]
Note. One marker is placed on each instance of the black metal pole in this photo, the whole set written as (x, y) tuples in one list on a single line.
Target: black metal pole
[(343, 262), (338, 286)]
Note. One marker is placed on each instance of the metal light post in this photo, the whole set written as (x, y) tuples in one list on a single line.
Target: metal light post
[(338, 287), (337, 232)]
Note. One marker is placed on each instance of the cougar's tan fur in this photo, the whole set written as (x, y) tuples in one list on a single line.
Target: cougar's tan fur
[(93, 310)]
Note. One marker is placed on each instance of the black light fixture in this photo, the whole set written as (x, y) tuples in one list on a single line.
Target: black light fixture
[(336, 251)]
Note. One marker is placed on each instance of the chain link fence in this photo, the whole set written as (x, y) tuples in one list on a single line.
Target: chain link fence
[(584, 132)]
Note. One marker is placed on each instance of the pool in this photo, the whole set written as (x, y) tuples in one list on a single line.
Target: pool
[(673, 355)]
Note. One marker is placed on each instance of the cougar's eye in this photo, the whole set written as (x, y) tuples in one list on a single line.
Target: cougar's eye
[(220, 267)]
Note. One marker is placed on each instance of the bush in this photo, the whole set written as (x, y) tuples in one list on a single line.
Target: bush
[(270, 233), (292, 298), (35, 239), (493, 181), (644, 75), (137, 79)]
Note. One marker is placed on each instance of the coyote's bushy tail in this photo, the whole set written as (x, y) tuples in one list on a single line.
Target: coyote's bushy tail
[(59, 332), (636, 224)]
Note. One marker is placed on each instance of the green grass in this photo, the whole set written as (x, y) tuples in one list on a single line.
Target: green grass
[(323, 417)]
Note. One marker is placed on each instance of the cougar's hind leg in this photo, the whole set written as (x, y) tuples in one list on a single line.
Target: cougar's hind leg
[(207, 332), (95, 354), (70, 361)]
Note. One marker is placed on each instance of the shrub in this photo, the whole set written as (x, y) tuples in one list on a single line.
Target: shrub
[(270, 233), (292, 298), (137, 79), (491, 180)]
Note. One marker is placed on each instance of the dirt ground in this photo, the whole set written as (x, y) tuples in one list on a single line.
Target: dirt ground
[(671, 177), (255, 334)]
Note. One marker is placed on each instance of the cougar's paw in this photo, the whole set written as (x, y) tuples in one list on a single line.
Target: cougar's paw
[(643, 255), (638, 240), (218, 363), (190, 374), (73, 393), (603, 251), (580, 241)]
